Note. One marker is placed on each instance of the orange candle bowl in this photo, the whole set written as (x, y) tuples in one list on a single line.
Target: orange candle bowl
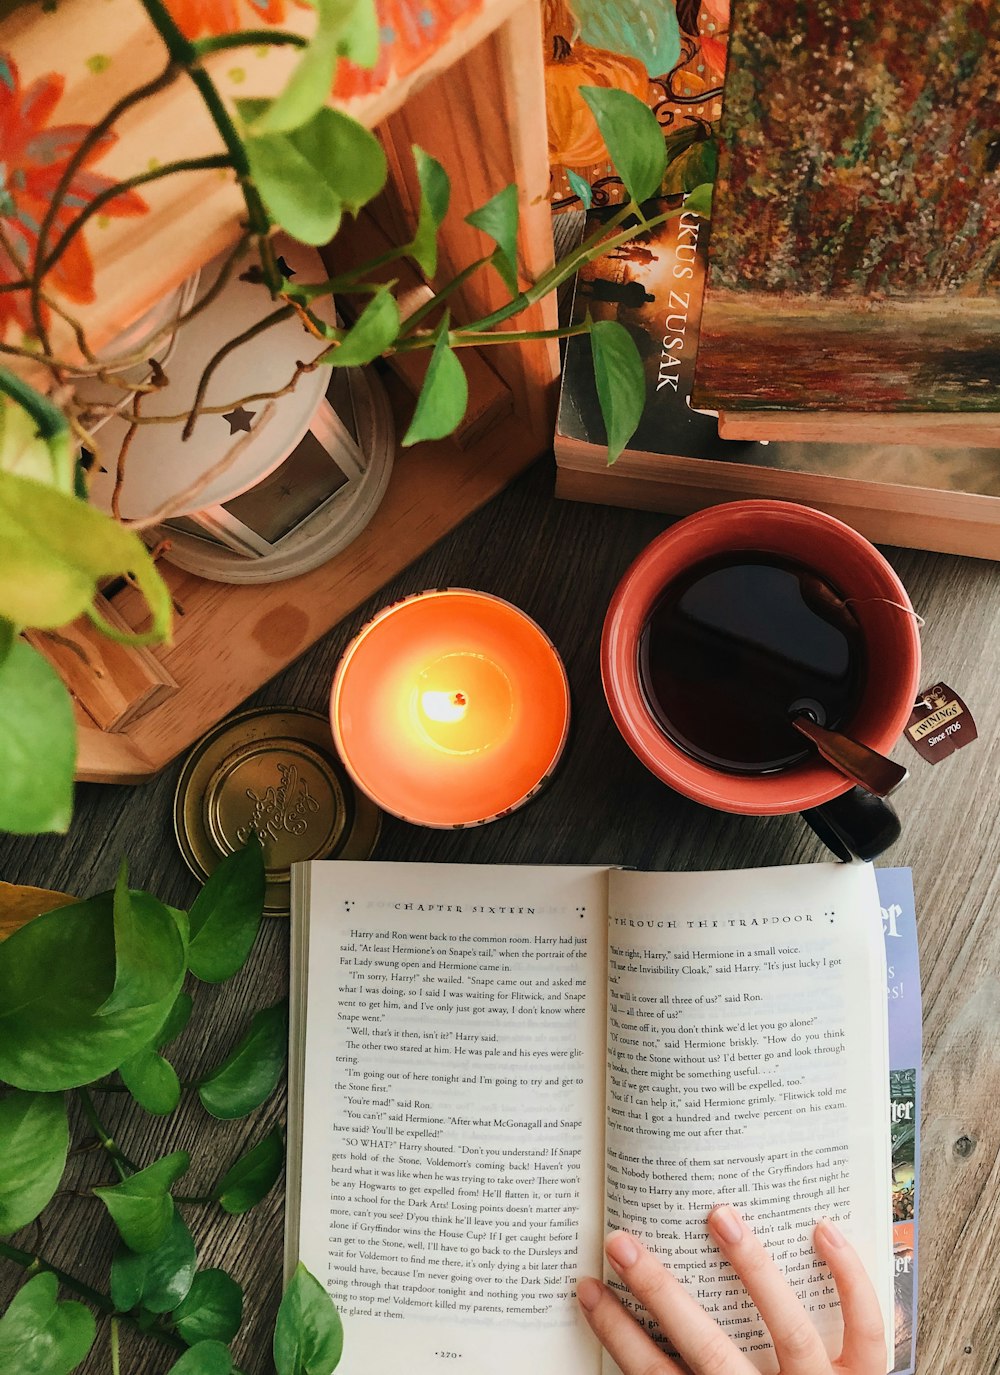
[(450, 708)]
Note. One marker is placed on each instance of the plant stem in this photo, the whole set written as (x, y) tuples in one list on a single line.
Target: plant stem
[(413, 320), (115, 1361), (249, 38), (185, 54), (122, 1164), (559, 271), (308, 291), (462, 338), (257, 328), (205, 164), (34, 1264), (88, 143)]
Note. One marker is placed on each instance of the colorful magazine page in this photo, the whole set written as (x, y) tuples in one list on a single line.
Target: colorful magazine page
[(895, 887)]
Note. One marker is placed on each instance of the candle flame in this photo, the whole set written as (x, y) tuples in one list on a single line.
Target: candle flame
[(444, 706)]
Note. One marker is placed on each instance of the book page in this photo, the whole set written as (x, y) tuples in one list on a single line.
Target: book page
[(747, 1064), (452, 1110)]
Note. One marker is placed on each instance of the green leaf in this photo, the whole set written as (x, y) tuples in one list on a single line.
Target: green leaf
[(34, 1139), (621, 382), (37, 743), (308, 1335), (252, 1176), (41, 1336), (54, 549), (177, 1019), (699, 201), (152, 1081), (25, 451), (205, 1358), (148, 948), (633, 137), (213, 1309), (443, 397), (346, 28), (435, 193), (56, 972), (159, 1279), (375, 329), (141, 1206), (581, 187), (295, 198), (8, 638), (356, 25), (251, 1071), (498, 218), (310, 175), (691, 161), (226, 914)]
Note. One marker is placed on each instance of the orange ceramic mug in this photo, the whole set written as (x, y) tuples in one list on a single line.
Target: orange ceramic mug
[(851, 821)]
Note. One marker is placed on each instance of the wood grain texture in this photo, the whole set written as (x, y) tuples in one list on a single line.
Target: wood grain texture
[(560, 561), (112, 682), (359, 240), (916, 517), (483, 122), (230, 639)]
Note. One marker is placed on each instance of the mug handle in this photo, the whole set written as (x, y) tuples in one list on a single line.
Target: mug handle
[(856, 825)]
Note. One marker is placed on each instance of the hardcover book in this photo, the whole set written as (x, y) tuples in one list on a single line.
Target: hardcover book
[(942, 498), (492, 1066)]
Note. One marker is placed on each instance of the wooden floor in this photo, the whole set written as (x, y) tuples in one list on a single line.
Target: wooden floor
[(560, 562)]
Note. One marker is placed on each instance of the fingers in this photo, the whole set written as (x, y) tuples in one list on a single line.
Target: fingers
[(618, 1332), (796, 1341), (864, 1350), (699, 1340)]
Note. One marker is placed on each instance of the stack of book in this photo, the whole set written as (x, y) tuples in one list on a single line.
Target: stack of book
[(942, 498), (848, 354)]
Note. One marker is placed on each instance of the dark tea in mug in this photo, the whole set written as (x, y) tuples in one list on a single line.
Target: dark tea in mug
[(736, 646)]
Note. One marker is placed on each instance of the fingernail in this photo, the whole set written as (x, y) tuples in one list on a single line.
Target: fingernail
[(589, 1292), (831, 1233), (725, 1223), (621, 1249)]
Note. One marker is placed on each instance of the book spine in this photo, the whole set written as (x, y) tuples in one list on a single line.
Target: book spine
[(903, 992)]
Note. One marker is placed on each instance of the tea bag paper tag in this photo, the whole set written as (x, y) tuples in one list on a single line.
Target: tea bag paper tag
[(940, 723)]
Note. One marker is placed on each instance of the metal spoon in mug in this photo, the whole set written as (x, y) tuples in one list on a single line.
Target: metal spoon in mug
[(861, 764)]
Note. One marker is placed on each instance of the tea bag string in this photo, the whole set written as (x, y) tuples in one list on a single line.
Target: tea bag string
[(887, 602)]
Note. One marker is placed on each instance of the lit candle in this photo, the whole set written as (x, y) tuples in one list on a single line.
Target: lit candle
[(450, 708)]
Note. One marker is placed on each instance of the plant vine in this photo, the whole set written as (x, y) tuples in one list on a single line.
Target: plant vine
[(300, 166)]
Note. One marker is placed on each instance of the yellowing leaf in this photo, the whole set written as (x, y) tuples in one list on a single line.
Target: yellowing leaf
[(53, 550), (19, 904)]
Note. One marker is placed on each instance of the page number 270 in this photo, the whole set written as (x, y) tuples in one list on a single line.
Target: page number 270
[(448, 1355)]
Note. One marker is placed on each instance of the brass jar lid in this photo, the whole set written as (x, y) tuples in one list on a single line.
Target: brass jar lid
[(274, 771)]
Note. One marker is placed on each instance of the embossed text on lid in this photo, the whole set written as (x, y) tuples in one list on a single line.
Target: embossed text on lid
[(275, 772)]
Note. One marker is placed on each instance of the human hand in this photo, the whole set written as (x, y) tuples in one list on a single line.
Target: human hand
[(697, 1337)]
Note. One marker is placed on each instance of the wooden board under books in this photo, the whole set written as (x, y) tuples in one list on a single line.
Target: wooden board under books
[(942, 498), (854, 229)]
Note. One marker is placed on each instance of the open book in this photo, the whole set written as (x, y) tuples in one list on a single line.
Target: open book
[(493, 1066)]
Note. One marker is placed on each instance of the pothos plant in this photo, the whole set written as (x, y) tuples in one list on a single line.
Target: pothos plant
[(300, 166), (91, 996)]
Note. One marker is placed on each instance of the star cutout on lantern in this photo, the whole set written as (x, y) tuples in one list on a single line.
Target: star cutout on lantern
[(283, 267), (239, 419)]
